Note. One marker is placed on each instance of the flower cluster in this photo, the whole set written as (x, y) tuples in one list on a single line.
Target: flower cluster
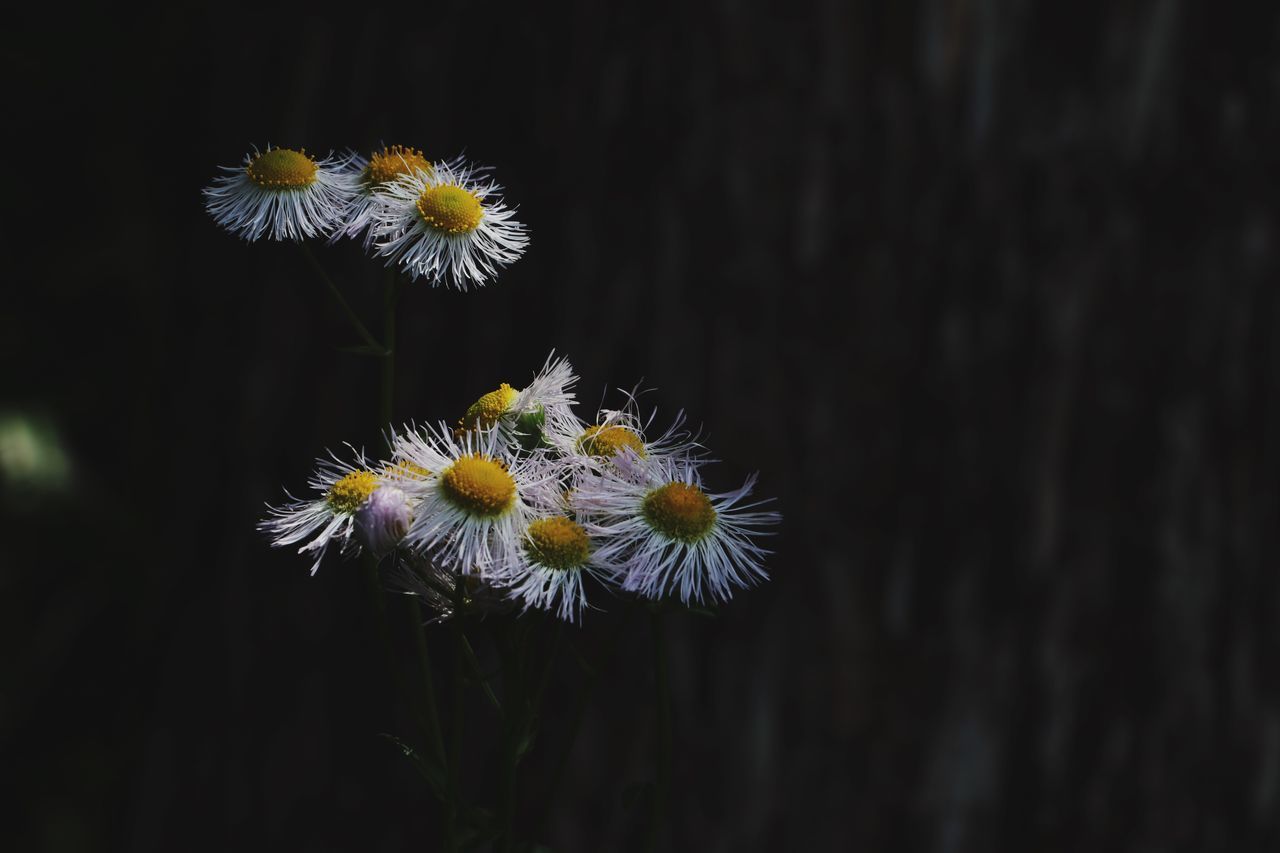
[(440, 220), (522, 501)]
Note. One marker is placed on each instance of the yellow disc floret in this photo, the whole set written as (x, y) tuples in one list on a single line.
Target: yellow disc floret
[(484, 413), (393, 161), (557, 543), (282, 168), (479, 486), (603, 442), (679, 511), (405, 470), (350, 493), (450, 209)]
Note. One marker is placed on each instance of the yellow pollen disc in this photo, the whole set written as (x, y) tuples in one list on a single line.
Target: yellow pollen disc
[(479, 486), (484, 413), (450, 209), (604, 442), (679, 511), (406, 471), (557, 543), (282, 168), (394, 161), (350, 493)]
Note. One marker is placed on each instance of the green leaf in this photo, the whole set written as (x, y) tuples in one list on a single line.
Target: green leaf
[(428, 769)]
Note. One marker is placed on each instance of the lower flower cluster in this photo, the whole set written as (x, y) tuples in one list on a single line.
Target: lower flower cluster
[(522, 502)]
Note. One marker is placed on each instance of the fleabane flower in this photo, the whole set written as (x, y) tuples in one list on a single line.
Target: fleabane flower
[(470, 513), (448, 225), (281, 194), (371, 175), (342, 491), (612, 433), (669, 534), (524, 417), (556, 552)]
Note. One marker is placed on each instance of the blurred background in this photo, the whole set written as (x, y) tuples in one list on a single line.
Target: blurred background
[(985, 290)]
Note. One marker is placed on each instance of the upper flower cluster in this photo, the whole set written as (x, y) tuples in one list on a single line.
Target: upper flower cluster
[(444, 220), (523, 500)]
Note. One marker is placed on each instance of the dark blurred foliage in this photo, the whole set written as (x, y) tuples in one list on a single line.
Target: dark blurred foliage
[(986, 289)]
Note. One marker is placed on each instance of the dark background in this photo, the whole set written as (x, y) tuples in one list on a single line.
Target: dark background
[(985, 289)]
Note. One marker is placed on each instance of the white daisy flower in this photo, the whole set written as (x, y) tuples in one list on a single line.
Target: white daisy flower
[(449, 225), (343, 490), (557, 552), (370, 176), (469, 515), (543, 407), (668, 533), (619, 431), (281, 194)]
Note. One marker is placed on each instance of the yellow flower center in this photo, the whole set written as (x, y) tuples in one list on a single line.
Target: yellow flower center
[(603, 442), (679, 511), (350, 493), (393, 161), (282, 168), (450, 209), (484, 413), (557, 543), (479, 486), (405, 470)]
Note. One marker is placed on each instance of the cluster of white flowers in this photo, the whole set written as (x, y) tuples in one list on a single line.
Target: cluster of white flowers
[(523, 500), (444, 221)]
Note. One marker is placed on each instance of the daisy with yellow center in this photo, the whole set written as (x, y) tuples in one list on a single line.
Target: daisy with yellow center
[(615, 435), (372, 175), (525, 416), (469, 515), (669, 534), (556, 552), (343, 491), (281, 194), (448, 225)]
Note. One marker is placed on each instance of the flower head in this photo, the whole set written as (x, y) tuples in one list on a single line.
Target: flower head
[(342, 491), (668, 533), (449, 225), (469, 515), (556, 552), (524, 417), (371, 175), (615, 433), (383, 519), (282, 194)]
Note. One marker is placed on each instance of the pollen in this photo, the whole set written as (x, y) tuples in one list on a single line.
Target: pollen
[(282, 168), (484, 413), (393, 161), (679, 511), (350, 493), (479, 486), (603, 442), (450, 209), (557, 543), (405, 470)]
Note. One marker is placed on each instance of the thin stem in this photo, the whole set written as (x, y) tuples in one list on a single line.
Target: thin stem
[(663, 722), (459, 711), (434, 736), (579, 712), (338, 297)]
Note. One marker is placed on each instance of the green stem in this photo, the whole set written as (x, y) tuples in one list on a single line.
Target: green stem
[(338, 297), (579, 712), (434, 736), (663, 722), (459, 711)]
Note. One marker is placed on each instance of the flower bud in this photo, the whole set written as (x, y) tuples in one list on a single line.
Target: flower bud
[(384, 519)]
